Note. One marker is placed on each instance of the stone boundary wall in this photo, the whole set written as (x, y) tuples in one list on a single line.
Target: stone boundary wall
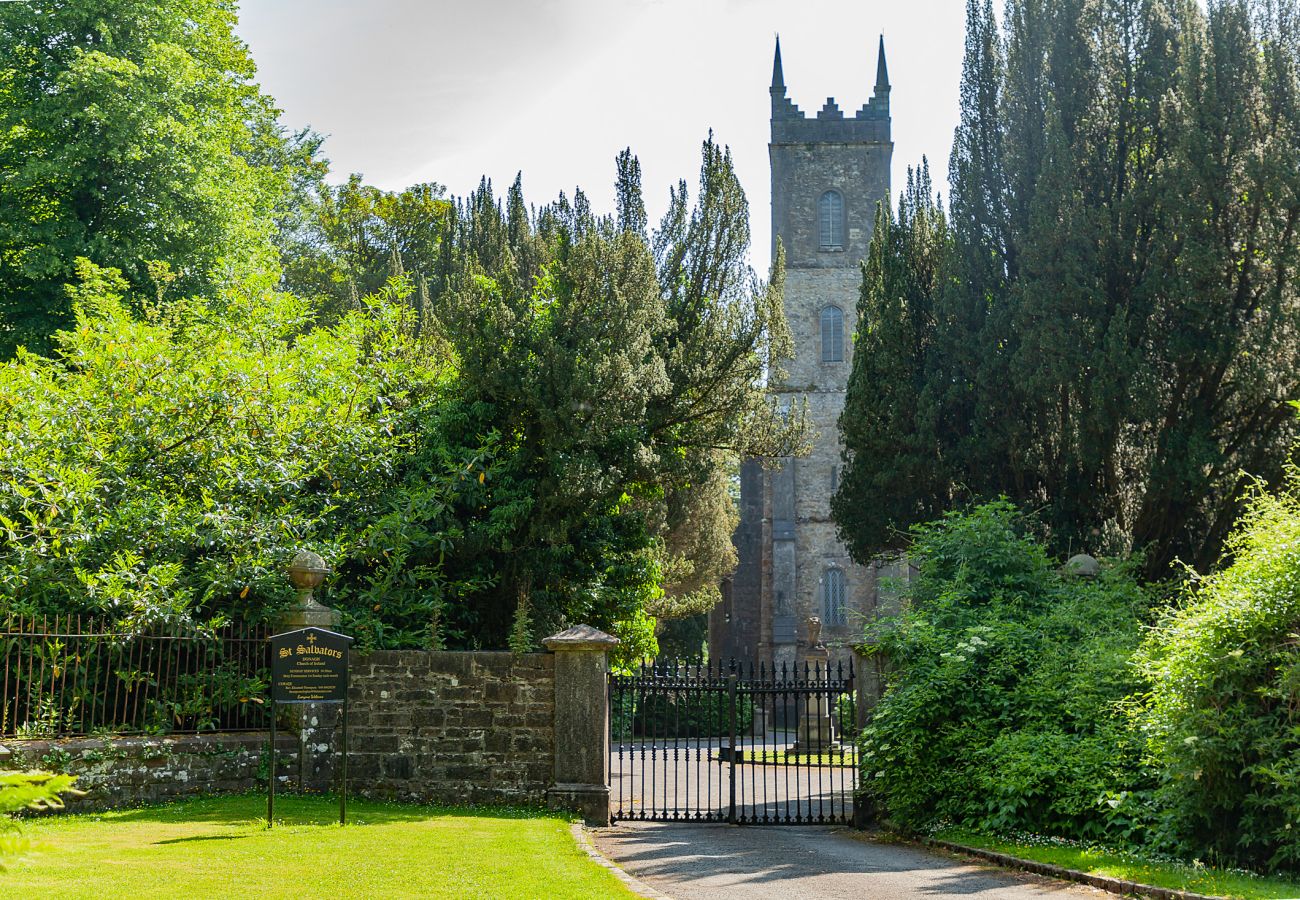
[(452, 727), (131, 771), (435, 727)]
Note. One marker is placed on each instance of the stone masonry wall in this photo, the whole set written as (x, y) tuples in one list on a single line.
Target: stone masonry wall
[(131, 771), (433, 727), (450, 727)]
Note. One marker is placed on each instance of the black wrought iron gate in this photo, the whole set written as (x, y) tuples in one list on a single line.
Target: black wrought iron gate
[(748, 744)]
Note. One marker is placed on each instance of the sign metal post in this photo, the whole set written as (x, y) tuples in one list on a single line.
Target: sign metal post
[(309, 665), (343, 786), (270, 779)]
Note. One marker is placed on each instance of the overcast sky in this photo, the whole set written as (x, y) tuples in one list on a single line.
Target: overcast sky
[(450, 90)]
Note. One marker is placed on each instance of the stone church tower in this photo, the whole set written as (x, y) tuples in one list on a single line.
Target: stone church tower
[(828, 175)]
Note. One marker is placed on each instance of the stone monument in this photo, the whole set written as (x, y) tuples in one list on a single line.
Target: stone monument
[(1081, 565), (816, 730)]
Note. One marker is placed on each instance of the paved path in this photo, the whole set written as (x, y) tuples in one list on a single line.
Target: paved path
[(707, 862)]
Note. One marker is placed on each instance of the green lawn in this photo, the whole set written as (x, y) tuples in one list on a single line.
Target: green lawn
[(221, 848), (1130, 867)]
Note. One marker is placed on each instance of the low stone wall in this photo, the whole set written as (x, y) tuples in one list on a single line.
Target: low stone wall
[(435, 727), (448, 727), (130, 771)]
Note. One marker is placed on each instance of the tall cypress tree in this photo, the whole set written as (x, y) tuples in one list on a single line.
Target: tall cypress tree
[(893, 417), (983, 254), (1117, 336)]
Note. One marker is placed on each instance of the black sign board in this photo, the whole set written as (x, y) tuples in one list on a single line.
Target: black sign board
[(309, 666)]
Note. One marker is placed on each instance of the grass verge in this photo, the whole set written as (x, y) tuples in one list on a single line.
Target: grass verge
[(1131, 866), (221, 847)]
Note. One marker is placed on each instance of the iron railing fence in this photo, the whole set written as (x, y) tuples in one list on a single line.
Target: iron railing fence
[(68, 676)]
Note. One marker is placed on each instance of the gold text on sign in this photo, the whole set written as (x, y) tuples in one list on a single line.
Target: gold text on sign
[(310, 650)]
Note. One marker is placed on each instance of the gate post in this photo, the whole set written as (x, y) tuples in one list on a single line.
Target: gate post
[(581, 722), (868, 686), (868, 683)]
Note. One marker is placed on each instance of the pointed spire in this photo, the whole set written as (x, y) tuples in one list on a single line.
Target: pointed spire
[(882, 71), (778, 77)]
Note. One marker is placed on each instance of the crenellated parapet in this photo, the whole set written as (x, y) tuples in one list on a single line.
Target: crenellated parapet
[(870, 123)]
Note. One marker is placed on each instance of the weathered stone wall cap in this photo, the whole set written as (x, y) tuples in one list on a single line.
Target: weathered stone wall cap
[(580, 636), (1104, 882)]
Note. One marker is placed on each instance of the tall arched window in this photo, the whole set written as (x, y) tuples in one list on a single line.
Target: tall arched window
[(832, 334), (833, 597), (830, 217)]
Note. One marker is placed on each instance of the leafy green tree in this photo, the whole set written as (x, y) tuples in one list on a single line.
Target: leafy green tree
[(554, 371), (356, 237), (618, 376), (696, 551), (26, 790), (895, 405), (1111, 340), (1231, 300), (683, 638), (130, 132), (726, 335), (165, 465)]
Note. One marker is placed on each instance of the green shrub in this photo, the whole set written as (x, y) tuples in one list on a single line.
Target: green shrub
[(1223, 718), (1000, 709), (661, 716), (690, 715), (680, 714), (846, 716)]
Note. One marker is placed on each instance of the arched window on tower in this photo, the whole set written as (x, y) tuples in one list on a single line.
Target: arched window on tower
[(833, 612), (830, 218), (832, 334)]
